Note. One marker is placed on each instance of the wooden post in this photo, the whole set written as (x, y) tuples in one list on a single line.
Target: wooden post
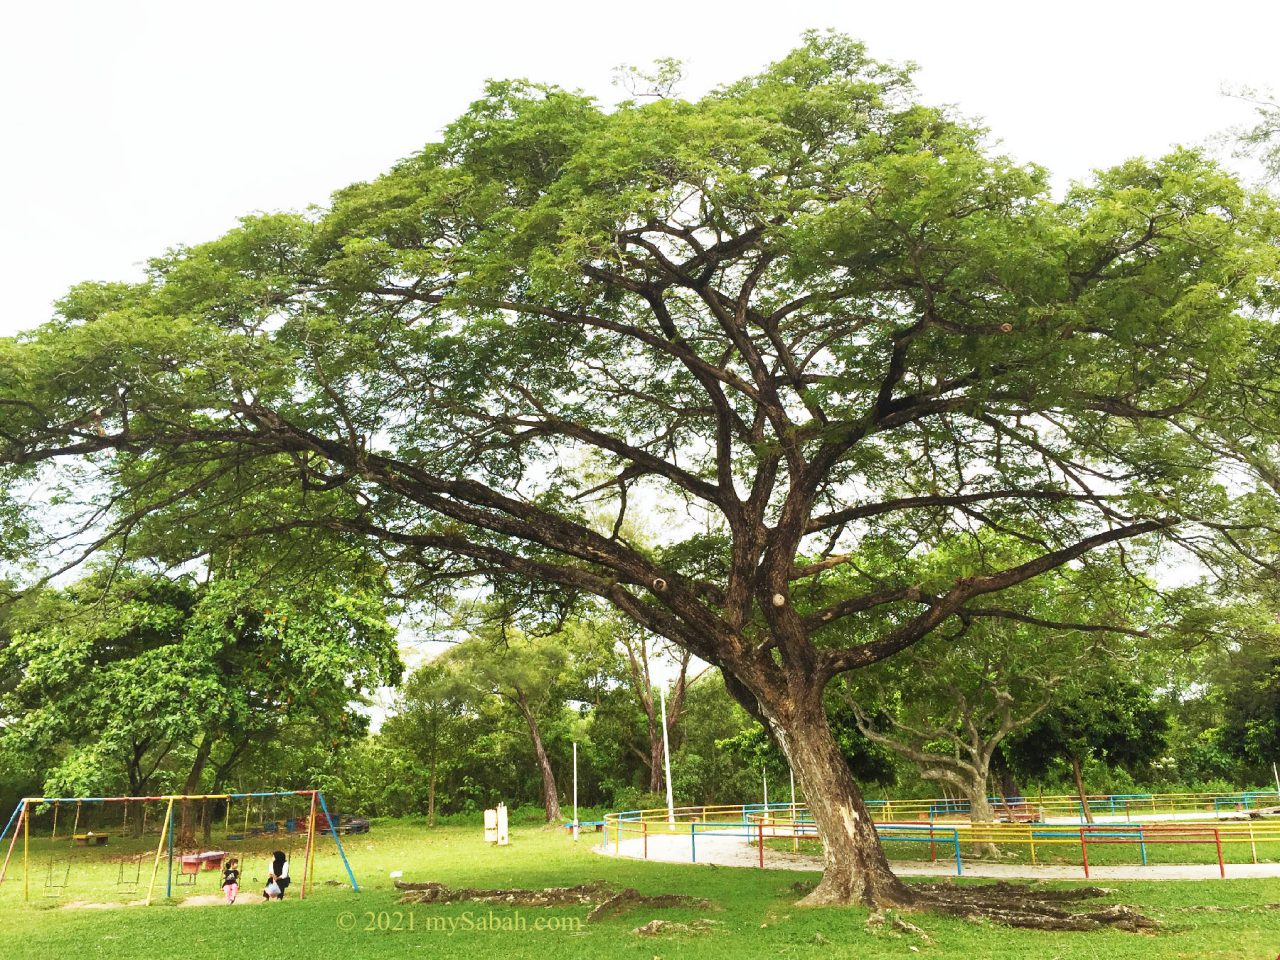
[(306, 857), (155, 867)]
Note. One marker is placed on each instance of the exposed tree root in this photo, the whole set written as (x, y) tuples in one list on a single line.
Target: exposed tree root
[(656, 928), (585, 894), (605, 899), (629, 899), (880, 919), (1032, 907)]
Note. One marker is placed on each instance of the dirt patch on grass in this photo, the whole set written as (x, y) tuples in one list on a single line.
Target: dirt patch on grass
[(605, 900), (91, 905), (218, 900)]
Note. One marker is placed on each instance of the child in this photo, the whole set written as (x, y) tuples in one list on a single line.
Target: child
[(231, 879), (277, 877)]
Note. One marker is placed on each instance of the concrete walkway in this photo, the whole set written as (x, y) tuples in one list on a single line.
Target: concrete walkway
[(735, 851)]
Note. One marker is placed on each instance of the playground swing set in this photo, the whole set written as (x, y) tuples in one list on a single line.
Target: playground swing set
[(190, 861)]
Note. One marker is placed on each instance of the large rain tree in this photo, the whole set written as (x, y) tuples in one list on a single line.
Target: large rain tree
[(809, 316)]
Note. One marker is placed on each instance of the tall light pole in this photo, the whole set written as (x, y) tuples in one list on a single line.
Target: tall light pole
[(666, 760), (575, 791)]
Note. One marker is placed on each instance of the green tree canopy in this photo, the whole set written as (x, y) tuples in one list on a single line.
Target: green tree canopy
[(825, 319), (140, 682)]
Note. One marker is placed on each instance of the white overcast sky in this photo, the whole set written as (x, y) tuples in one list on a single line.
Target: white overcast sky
[(127, 127)]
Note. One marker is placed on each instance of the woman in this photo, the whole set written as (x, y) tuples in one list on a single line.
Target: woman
[(277, 876)]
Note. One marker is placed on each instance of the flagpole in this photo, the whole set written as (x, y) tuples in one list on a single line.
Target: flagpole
[(666, 761)]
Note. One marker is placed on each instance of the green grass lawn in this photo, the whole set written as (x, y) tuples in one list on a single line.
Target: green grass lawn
[(756, 908)]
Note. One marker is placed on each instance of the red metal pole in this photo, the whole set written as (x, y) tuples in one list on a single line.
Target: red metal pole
[(933, 857), (311, 832), (1084, 853), (761, 828), (1222, 867), (13, 840)]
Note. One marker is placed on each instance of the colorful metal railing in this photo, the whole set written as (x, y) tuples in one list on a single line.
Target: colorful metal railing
[(762, 826)]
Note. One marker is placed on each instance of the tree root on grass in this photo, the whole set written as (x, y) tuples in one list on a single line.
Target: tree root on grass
[(584, 894), (1031, 907), (880, 919), (656, 928), (629, 899), (605, 900)]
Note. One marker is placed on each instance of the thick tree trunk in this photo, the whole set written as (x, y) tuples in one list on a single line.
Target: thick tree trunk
[(854, 866), (655, 757), (1009, 786), (186, 835), (550, 795), (1084, 799), (198, 764), (980, 812)]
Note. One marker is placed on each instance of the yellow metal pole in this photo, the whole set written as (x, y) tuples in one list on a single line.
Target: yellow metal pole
[(155, 867), (315, 842), (55, 821), (306, 857), (26, 866)]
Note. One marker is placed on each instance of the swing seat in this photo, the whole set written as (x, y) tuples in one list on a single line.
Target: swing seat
[(123, 879), (53, 885)]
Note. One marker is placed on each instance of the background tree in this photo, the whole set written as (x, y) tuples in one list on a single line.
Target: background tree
[(531, 673), (1110, 716), (142, 683), (427, 723), (822, 317), (643, 657), (948, 705)]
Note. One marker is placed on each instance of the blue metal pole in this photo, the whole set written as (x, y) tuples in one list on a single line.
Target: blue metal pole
[(693, 843), (12, 817), (342, 853), (955, 836)]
